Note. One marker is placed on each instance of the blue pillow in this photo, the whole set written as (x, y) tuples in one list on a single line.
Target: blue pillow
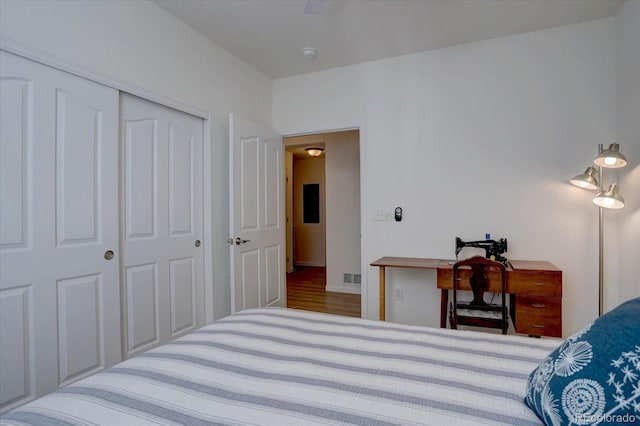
[(594, 376)]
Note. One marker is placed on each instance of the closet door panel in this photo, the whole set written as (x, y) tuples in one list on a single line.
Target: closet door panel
[(16, 120), (162, 185), (79, 325), (16, 242), (15, 333), (78, 147), (184, 232), (183, 292), (181, 176), (85, 196), (61, 147), (140, 146), (142, 313)]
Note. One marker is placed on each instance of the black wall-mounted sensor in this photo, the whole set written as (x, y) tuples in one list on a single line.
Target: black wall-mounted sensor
[(398, 214)]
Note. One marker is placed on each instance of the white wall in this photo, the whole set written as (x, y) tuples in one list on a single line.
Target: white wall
[(342, 168), (628, 97), (310, 240), (474, 139), (139, 43)]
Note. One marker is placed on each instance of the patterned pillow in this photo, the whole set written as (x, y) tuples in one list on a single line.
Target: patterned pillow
[(594, 376)]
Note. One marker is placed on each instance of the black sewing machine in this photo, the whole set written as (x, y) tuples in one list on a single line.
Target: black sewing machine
[(493, 249)]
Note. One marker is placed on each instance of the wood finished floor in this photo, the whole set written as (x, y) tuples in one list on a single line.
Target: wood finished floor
[(306, 290)]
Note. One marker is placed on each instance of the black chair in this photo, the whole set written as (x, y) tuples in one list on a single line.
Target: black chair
[(478, 312)]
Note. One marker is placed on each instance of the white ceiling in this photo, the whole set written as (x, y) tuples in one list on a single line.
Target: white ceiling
[(270, 34)]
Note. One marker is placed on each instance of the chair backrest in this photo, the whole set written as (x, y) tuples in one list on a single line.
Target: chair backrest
[(479, 283), (479, 280)]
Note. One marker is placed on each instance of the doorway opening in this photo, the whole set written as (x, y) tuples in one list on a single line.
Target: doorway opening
[(323, 246), (306, 291)]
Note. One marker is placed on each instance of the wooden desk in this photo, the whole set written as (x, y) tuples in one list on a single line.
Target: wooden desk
[(535, 289)]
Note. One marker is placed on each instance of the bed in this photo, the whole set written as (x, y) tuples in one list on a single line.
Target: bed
[(278, 366)]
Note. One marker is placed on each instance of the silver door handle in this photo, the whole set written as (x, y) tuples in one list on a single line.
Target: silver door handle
[(237, 241)]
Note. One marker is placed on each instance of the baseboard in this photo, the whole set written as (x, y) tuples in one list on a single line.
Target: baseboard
[(344, 288), (315, 264)]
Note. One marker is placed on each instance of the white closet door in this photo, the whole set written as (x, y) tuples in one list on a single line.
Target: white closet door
[(59, 296), (162, 260)]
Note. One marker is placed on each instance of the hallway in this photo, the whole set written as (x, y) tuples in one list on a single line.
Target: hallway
[(306, 290)]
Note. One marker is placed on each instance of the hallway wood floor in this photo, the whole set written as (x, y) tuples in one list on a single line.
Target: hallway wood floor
[(305, 290)]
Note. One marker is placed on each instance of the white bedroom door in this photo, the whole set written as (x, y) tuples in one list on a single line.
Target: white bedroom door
[(161, 232), (59, 280), (256, 211)]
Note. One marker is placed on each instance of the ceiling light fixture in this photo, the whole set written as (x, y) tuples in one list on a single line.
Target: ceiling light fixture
[(309, 52), (314, 151)]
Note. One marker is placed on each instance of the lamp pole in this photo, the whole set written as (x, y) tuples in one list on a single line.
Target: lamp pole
[(600, 241), (609, 199)]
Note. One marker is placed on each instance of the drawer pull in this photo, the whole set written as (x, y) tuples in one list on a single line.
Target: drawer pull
[(537, 326), (538, 305), (539, 283)]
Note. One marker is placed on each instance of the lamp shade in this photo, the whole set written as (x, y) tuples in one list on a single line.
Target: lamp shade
[(586, 180), (314, 151), (609, 199), (611, 157)]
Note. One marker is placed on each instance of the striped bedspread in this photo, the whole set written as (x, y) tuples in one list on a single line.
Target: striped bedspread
[(286, 367)]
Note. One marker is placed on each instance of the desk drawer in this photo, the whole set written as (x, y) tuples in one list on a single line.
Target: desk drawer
[(541, 283), (540, 316)]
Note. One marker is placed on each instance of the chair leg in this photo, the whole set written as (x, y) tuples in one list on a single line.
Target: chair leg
[(452, 323)]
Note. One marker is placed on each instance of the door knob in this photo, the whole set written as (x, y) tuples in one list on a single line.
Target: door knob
[(108, 254), (198, 243), (237, 241)]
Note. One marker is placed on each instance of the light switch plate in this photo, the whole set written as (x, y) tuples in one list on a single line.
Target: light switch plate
[(383, 215)]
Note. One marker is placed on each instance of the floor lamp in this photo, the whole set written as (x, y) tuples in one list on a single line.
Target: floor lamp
[(611, 158)]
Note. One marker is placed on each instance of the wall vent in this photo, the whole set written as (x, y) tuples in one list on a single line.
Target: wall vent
[(348, 278), (357, 279)]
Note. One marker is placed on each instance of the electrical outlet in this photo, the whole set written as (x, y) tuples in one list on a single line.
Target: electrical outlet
[(398, 294)]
